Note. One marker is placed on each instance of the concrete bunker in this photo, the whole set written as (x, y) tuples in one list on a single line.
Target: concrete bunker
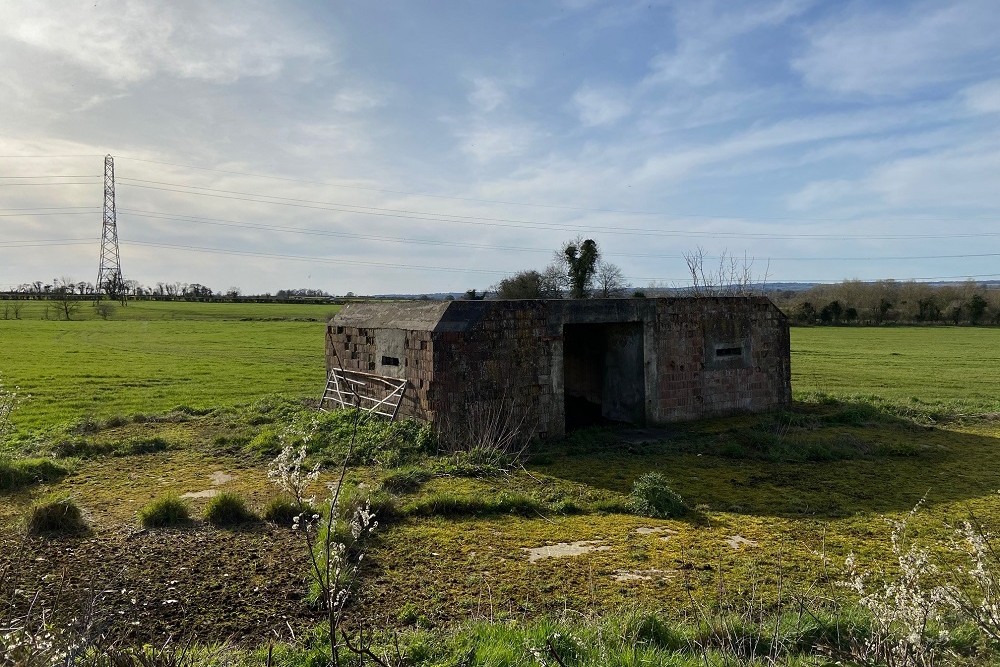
[(567, 364)]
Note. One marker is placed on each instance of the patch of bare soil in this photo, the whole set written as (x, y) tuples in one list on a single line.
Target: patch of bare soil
[(214, 585)]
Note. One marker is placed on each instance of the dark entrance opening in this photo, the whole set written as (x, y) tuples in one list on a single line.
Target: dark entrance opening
[(603, 374)]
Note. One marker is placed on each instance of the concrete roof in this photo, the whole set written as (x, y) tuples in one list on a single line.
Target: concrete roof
[(460, 315)]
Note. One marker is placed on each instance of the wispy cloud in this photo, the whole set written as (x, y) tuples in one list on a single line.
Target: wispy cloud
[(133, 41), (873, 49), (655, 126), (487, 94), (600, 106)]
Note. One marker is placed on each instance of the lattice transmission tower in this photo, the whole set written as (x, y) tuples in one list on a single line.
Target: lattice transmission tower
[(109, 274)]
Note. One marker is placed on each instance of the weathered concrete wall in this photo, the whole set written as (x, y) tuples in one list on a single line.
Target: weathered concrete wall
[(690, 357), (720, 355)]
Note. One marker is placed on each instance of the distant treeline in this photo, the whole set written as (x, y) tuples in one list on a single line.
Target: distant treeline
[(891, 302), (62, 289)]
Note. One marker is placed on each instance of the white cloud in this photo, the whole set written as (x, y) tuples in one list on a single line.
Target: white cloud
[(600, 107), (487, 94), (703, 33), (822, 193), (133, 41), (487, 142), (871, 51), (959, 179), (354, 100), (783, 134), (984, 97), (691, 65)]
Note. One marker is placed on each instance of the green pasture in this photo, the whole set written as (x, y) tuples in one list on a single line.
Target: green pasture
[(98, 369), (956, 368), (168, 310), (777, 501)]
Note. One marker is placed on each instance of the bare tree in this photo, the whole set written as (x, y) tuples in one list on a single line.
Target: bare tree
[(611, 281), (66, 304), (732, 277)]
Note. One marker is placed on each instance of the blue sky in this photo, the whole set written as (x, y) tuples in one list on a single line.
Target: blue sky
[(437, 146)]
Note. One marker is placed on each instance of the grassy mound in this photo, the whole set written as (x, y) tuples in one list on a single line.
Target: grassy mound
[(56, 515), (165, 512), (229, 509), (17, 474)]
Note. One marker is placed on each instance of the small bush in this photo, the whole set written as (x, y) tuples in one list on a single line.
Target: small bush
[(56, 515), (25, 472), (405, 480), (283, 510), (228, 509), (653, 497), (165, 512)]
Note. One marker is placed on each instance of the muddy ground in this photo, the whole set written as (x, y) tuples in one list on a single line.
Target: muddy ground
[(144, 586)]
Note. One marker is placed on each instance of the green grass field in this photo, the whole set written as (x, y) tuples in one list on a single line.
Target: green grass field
[(173, 310), (154, 356), (779, 501), (953, 367)]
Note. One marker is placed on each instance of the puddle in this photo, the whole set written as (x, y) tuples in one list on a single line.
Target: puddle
[(207, 493), (736, 541), (640, 575), (218, 478), (564, 549)]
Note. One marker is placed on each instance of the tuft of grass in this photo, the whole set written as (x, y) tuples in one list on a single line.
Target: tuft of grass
[(17, 474), (56, 515), (442, 503), (653, 497), (283, 510), (228, 509), (406, 479), (84, 448), (330, 434), (167, 511)]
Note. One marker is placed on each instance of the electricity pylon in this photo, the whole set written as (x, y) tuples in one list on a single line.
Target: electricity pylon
[(109, 274)]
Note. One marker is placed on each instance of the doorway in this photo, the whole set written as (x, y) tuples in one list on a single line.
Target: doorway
[(603, 374)]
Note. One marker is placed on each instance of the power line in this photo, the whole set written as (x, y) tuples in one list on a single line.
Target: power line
[(45, 242), (50, 208), (416, 194), (31, 157), (308, 258), (238, 224), (32, 215), (57, 176), (321, 232), (329, 260), (22, 185), (510, 222), (487, 201)]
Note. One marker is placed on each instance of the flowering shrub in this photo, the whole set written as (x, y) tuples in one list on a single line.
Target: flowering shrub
[(906, 611), (976, 594), (335, 542)]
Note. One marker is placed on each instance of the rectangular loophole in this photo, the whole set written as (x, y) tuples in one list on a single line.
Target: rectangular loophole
[(729, 352), (390, 361)]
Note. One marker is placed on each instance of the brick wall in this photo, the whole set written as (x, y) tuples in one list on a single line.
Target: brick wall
[(703, 357)]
